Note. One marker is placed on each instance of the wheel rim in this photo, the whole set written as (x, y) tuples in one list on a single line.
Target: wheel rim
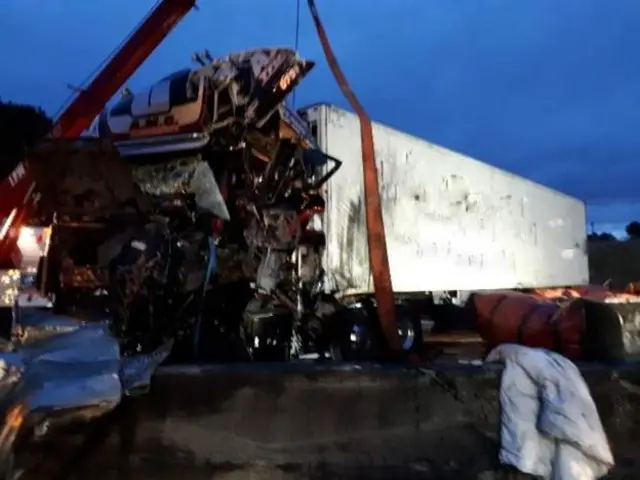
[(357, 338), (407, 334)]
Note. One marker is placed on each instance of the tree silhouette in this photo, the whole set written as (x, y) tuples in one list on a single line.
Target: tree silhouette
[(601, 237), (21, 126), (633, 230)]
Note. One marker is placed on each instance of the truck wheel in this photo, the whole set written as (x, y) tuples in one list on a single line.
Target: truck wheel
[(271, 348), (410, 333), (409, 329), (271, 340), (355, 335)]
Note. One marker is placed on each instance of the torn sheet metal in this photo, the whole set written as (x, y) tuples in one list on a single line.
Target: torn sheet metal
[(213, 104), (166, 179), (61, 367), (182, 176)]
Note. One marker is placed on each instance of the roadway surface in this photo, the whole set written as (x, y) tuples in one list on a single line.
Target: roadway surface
[(308, 422)]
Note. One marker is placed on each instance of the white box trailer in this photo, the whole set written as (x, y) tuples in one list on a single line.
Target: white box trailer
[(452, 223)]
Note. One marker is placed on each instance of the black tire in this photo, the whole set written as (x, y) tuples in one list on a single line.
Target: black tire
[(364, 316), (274, 346), (410, 328), (356, 335), (271, 341)]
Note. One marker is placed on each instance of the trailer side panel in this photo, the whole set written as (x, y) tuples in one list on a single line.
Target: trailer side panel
[(452, 222)]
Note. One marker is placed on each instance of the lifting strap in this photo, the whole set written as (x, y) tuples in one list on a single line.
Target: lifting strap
[(378, 258)]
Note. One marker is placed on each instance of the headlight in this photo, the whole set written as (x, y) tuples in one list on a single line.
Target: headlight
[(34, 241), (9, 286)]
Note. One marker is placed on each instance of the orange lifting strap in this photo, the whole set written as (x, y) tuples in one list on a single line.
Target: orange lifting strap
[(378, 258)]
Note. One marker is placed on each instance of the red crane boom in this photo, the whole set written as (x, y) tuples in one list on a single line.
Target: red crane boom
[(18, 191), (77, 117)]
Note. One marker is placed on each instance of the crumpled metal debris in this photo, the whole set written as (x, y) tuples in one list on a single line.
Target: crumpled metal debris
[(63, 368), (256, 82)]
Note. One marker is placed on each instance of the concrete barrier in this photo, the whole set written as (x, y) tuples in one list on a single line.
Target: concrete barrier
[(304, 422)]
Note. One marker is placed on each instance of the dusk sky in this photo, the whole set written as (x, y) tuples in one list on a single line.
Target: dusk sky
[(548, 89)]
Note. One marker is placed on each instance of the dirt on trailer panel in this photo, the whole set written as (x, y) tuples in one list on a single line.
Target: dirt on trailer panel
[(307, 422)]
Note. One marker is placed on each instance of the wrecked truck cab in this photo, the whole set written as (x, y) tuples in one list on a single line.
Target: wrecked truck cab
[(208, 106), (167, 117), (213, 179)]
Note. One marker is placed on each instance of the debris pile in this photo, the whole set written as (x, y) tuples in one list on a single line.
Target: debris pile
[(224, 187)]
